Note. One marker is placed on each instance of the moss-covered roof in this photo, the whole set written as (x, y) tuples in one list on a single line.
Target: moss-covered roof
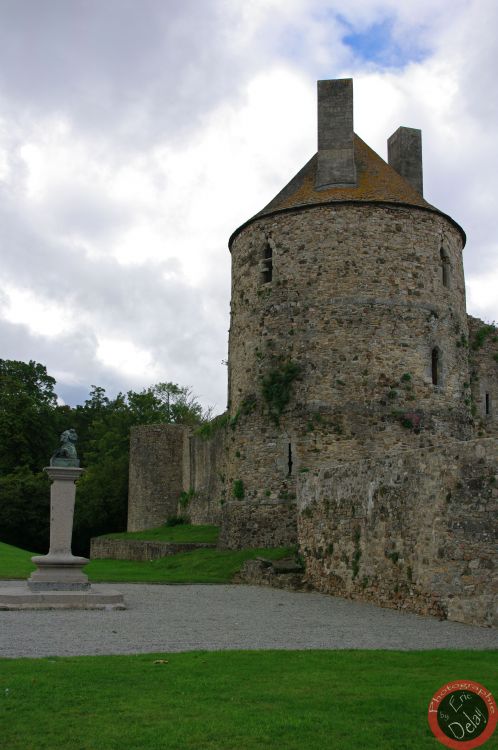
[(377, 182)]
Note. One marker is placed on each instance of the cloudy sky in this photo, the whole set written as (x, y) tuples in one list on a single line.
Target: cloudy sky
[(136, 135)]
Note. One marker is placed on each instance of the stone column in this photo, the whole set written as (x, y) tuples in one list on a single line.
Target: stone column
[(60, 569)]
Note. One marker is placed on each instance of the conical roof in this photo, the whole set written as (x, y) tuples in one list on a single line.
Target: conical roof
[(377, 182)]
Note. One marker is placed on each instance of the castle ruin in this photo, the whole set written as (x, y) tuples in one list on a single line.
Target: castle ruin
[(362, 418)]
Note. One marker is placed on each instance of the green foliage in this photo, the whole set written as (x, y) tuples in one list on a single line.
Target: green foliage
[(29, 416), (186, 497), (175, 521), (238, 489), (406, 377), (277, 388), (25, 509), (355, 564), (211, 427), (481, 335)]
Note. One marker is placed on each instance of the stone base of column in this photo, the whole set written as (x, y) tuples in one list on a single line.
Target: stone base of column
[(58, 572), (94, 597)]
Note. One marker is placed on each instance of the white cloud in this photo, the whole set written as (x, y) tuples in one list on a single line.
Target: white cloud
[(125, 357), (40, 316)]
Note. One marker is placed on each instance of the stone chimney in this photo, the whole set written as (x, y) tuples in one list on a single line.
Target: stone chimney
[(404, 154), (336, 165)]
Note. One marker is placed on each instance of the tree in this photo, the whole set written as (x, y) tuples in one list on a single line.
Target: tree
[(25, 509), (28, 415)]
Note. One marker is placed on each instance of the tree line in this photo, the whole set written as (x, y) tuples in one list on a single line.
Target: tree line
[(31, 422)]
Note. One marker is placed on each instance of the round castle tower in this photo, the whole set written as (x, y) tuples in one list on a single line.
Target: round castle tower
[(348, 320)]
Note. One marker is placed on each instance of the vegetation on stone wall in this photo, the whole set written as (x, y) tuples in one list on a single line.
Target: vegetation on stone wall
[(277, 387), (186, 497), (238, 489), (483, 333), (211, 426)]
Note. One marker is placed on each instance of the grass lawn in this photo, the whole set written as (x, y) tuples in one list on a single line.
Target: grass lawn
[(180, 533), (15, 562), (260, 700), (199, 566)]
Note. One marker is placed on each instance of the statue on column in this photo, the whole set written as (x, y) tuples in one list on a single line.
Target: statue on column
[(66, 454)]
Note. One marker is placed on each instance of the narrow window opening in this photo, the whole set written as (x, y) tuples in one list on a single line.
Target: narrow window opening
[(436, 366), (445, 267), (289, 460), (267, 273), (488, 404)]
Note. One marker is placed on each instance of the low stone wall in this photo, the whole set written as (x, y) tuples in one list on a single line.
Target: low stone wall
[(413, 530), (282, 574), (138, 550), (250, 525)]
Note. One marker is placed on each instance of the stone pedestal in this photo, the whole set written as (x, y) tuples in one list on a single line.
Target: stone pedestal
[(60, 570), (59, 581)]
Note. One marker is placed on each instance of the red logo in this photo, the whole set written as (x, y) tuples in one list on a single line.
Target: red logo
[(462, 714)]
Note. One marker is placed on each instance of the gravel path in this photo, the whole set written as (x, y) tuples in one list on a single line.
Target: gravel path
[(184, 618)]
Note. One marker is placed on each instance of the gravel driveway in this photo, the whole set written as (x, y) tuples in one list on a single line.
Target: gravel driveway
[(183, 618)]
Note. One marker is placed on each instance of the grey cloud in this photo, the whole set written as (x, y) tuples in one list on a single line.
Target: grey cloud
[(142, 69), (84, 211)]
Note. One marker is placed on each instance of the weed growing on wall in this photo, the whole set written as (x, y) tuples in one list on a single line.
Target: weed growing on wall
[(482, 334), (277, 388), (238, 489), (208, 429), (186, 497)]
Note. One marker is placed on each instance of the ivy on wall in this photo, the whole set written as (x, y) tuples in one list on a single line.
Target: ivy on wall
[(277, 387)]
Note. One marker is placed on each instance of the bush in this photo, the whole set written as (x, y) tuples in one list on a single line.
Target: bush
[(175, 521)]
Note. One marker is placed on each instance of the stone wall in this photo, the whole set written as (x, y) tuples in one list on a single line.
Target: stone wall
[(483, 381), (247, 524), (155, 474), (136, 549), (413, 529), (204, 475)]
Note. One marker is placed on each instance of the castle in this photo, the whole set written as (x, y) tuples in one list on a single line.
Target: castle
[(362, 419)]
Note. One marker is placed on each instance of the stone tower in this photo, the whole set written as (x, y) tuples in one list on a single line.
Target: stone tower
[(347, 298)]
